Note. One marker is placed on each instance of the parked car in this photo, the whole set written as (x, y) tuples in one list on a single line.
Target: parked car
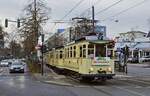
[(16, 67), (5, 63), (133, 59), (145, 59)]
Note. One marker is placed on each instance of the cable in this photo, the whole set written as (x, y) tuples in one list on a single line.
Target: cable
[(109, 7), (97, 2), (72, 9), (68, 13), (127, 9)]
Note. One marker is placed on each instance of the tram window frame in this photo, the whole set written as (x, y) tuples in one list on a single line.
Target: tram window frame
[(65, 53), (84, 51), (91, 50), (57, 54)]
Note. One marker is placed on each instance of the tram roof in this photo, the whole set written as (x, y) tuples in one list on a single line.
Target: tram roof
[(100, 41)]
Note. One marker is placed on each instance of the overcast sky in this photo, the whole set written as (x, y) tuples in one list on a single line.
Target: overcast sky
[(133, 19)]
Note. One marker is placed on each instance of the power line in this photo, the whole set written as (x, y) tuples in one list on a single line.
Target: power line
[(109, 7), (97, 2), (68, 13), (72, 9), (127, 9)]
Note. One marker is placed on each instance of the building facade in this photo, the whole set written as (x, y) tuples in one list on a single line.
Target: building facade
[(138, 43)]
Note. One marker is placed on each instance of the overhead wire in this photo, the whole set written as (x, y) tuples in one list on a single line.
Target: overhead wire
[(68, 13), (123, 11), (96, 3), (109, 7), (72, 9)]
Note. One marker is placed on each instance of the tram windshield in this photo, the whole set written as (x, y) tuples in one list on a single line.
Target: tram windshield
[(102, 51)]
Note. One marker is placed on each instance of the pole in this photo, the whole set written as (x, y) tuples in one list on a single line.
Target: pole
[(93, 19), (42, 65), (126, 56), (35, 22)]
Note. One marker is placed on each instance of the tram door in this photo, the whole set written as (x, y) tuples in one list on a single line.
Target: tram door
[(82, 56)]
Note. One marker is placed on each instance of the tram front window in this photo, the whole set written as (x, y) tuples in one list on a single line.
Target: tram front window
[(100, 51)]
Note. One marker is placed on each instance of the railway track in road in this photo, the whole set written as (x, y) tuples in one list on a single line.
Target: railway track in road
[(128, 86), (136, 81)]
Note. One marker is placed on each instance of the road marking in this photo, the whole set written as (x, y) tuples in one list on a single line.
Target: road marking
[(140, 81), (100, 90)]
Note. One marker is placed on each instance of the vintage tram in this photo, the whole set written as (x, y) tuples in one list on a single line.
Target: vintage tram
[(86, 59)]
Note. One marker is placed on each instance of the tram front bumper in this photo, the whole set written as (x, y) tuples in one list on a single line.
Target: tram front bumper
[(99, 76)]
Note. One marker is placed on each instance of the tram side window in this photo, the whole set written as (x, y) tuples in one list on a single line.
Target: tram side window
[(80, 51), (91, 50), (74, 51), (84, 50), (70, 51), (61, 54)]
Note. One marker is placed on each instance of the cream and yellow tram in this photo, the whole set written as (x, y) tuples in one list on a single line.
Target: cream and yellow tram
[(90, 59)]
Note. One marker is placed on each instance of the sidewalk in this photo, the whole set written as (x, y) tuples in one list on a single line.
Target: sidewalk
[(51, 77)]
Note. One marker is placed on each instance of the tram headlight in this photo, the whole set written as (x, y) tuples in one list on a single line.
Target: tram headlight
[(109, 69), (91, 69)]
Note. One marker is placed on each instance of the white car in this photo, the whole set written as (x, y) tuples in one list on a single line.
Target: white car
[(5, 63), (16, 67), (145, 59)]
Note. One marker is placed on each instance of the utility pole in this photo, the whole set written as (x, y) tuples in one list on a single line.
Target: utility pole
[(42, 50), (35, 22), (93, 19)]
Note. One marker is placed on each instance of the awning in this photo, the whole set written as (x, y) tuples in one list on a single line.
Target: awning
[(122, 45), (143, 46)]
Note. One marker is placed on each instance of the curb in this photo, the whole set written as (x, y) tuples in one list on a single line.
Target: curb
[(122, 76), (57, 83), (51, 82)]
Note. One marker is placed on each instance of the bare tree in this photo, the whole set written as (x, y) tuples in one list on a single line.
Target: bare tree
[(16, 49), (35, 16)]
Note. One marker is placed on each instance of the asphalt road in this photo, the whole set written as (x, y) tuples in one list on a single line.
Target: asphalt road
[(18, 84)]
